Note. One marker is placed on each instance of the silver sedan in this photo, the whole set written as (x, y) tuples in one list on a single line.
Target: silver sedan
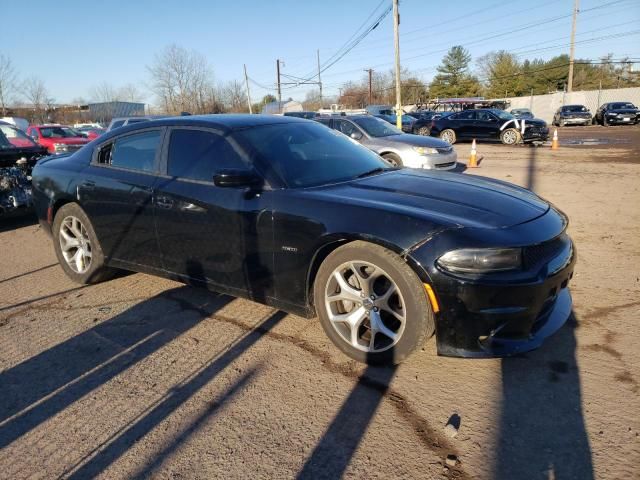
[(398, 148)]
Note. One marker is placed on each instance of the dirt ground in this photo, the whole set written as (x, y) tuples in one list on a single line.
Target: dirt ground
[(144, 377)]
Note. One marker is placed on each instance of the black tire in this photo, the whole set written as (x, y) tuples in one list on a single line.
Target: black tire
[(605, 122), (419, 324), (508, 134), (393, 159), (561, 123), (97, 271), (424, 131), (450, 134)]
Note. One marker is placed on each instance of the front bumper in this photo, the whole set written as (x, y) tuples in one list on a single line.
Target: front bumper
[(496, 315), (536, 134), (435, 161), (576, 120), (622, 120)]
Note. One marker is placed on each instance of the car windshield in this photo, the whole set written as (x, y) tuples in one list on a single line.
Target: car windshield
[(11, 137), (619, 106), (306, 155), (58, 132), (574, 108), (520, 111), (502, 115), (376, 127)]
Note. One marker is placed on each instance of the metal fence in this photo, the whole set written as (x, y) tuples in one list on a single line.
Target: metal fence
[(544, 106)]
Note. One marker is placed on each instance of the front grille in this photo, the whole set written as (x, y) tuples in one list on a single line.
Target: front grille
[(445, 165), (445, 150), (543, 252)]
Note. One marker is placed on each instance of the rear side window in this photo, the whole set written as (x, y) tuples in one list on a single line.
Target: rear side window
[(199, 154), (465, 115), (135, 152)]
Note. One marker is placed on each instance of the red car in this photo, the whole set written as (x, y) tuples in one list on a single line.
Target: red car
[(57, 138)]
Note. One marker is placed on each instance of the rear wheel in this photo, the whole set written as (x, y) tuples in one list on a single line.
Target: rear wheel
[(510, 136), (77, 246), (371, 305), (393, 159), (448, 136)]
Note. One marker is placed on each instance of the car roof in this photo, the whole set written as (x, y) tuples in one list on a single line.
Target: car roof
[(222, 121)]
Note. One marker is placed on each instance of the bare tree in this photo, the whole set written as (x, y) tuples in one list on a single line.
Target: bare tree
[(8, 80), (35, 91), (103, 92), (234, 96), (182, 80), (130, 93)]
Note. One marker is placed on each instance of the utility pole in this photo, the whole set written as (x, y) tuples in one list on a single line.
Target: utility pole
[(246, 82), (572, 49), (279, 93), (396, 38), (319, 80), (370, 71)]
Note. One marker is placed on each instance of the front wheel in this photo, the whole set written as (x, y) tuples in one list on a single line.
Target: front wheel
[(424, 131), (448, 136), (371, 305), (77, 246), (393, 159), (510, 136)]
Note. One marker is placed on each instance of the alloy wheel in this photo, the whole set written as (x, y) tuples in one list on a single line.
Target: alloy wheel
[(365, 306), (510, 137), (447, 136), (75, 244)]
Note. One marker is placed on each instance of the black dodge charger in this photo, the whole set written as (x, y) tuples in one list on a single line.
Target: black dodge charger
[(289, 213), (488, 124)]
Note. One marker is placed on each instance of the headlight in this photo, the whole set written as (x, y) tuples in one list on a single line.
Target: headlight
[(481, 260), (60, 147), (425, 150)]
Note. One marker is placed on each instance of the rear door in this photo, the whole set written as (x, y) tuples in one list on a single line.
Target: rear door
[(219, 235), (463, 123), (117, 194)]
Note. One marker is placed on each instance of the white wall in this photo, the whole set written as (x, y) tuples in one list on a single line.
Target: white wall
[(544, 106)]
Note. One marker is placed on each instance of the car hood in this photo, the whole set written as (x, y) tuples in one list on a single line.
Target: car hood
[(534, 121), (450, 199), (575, 114), (630, 111), (415, 141)]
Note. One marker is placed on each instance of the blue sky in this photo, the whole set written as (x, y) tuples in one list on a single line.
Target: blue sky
[(74, 46)]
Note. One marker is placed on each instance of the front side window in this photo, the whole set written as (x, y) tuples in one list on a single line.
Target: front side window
[(199, 154), (136, 152)]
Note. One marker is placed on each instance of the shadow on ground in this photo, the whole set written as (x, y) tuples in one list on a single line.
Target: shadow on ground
[(542, 431)]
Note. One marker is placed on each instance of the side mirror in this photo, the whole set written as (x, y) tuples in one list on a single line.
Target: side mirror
[(237, 178), (356, 135)]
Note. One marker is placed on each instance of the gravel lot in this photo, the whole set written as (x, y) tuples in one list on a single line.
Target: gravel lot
[(144, 377)]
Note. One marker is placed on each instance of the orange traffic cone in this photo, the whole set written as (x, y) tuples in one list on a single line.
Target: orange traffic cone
[(473, 158), (554, 142)]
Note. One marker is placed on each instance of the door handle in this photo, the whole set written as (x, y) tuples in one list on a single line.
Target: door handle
[(164, 202)]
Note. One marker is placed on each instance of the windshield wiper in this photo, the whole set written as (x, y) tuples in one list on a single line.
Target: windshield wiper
[(374, 171)]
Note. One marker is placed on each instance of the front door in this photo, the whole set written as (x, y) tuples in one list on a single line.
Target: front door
[(117, 194), (219, 235)]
